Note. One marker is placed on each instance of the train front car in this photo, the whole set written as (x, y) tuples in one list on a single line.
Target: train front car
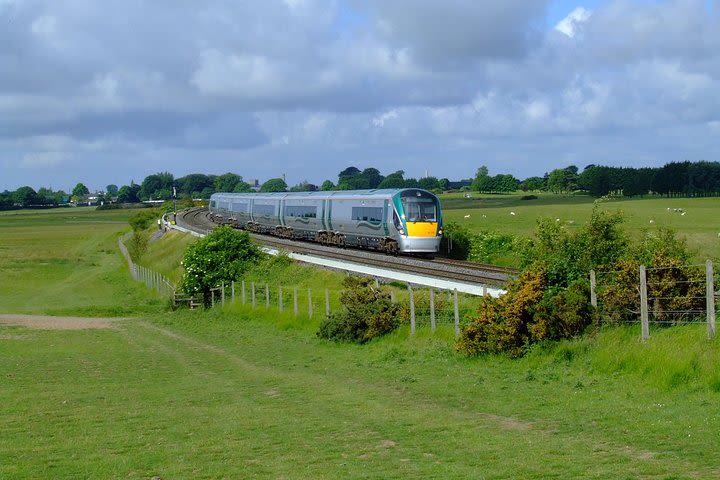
[(418, 220)]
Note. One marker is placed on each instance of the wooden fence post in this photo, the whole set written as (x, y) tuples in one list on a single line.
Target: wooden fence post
[(644, 321), (243, 292), (252, 293), (232, 292), (432, 309), (710, 298), (327, 302), (310, 309), (267, 296), (593, 285), (222, 294), (212, 295), (457, 314), (280, 299), (295, 302), (412, 310), (392, 297)]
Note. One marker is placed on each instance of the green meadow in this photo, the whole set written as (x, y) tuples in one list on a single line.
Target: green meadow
[(240, 393), (700, 225)]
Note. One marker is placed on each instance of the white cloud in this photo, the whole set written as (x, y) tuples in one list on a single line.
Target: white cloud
[(572, 24)]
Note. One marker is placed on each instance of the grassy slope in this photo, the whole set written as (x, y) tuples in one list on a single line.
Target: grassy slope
[(249, 394), (700, 225), (66, 261)]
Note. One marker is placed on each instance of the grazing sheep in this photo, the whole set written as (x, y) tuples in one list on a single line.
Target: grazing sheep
[(466, 216), (512, 213), (652, 221), (683, 214)]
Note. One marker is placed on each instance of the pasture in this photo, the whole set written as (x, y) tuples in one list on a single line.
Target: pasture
[(66, 262), (240, 393), (700, 224)]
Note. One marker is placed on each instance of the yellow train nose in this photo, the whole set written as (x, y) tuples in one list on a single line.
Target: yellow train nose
[(422, 229)]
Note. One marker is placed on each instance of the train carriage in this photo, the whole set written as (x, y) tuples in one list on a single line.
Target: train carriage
[(392, 220)]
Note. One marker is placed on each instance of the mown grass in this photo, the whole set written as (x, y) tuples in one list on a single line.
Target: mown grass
[(227, 394), (67, 262), (700, 225)]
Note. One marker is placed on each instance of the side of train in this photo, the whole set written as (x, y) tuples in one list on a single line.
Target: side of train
[(391, 220)]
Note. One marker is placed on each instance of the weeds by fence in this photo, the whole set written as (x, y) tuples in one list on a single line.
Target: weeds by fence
[(420, 307), (150, 278), (673, 295)]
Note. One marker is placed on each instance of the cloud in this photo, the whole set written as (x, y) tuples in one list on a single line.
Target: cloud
[(573, 23), (289, 86)]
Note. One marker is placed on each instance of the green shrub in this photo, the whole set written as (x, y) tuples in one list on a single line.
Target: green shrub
[(368, 313), (143, 219), (459, 238), (222, 256), (137, 245), (529, 197)]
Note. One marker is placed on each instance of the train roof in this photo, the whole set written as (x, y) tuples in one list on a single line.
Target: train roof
[(337, 194)]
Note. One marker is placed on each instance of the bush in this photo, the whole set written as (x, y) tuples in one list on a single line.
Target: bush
[(142, 220), (137, 245), (503, 324), (223, 256), (529, 197), (461, 241), (368, 313)]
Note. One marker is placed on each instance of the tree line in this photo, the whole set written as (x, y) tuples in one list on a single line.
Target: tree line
[(673, 179)]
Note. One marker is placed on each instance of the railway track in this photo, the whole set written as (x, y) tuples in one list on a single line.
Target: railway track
[(445, 268)]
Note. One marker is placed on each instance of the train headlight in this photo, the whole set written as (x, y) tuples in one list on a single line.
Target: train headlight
[(440, 233)]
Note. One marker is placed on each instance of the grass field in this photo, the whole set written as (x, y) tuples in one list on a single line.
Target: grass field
[(66, 261), (237, 393), (700, 225)]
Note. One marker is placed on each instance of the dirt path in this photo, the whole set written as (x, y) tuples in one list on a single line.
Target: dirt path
[(42, 322)]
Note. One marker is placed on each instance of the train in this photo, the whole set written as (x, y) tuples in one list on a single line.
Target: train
[(407, 220)]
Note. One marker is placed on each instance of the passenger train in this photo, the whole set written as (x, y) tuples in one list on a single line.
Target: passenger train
[(391, 220)]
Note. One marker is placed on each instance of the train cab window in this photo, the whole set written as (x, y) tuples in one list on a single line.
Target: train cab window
[(301, 211), (419, 206), (367, 214), (239, 207), (212, 204)]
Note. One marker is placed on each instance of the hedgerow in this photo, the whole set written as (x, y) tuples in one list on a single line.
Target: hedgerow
[(551, 299)]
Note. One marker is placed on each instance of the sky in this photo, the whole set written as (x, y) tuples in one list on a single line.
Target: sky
[(112, 91)]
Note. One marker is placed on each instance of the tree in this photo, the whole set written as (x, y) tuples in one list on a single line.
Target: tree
[(372, 176), (25, 196), (327, 186), (112, 189), (80, 190), (274, 185), (394, 180), (563, 179), (533, 183), (303, 186), (194, 183), (227, 182), (157, 185), (223, 256), (242, 187), (429, 183), (129, 193), (482, 181)]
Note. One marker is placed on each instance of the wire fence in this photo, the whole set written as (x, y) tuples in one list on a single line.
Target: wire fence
[(150, 278), (671, 295), (420, 307)]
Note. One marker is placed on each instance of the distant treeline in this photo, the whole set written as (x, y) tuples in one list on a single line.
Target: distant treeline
[(674, 179), (694, 179)]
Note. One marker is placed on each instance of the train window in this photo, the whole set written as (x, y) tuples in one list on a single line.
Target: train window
[(368, 214), (268, 210), (212, 203), (224, 205), (419, 206), (300, 211), (239, 207)]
